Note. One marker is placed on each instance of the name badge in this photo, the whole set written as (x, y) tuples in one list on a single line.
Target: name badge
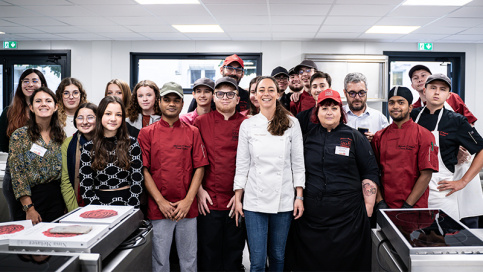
[(339, 150), (37, 149)]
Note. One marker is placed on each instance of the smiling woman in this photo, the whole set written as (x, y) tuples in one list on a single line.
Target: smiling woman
[(113, 176), (85, 122), (70, 94), (144, 108), (35, 161)]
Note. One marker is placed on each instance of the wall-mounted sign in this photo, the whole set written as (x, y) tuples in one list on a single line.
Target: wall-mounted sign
[(425, 46), (10, 45)]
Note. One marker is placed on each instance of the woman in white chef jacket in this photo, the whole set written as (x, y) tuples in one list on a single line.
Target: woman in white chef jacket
[(270, 177)]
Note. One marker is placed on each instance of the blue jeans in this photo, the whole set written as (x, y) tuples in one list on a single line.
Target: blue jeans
[(267, 230)]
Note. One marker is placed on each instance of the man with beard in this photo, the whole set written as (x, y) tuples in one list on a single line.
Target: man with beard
[(406, 154), (360, 116), (304, 101), (232, 67), (418, 75), (282, 77)]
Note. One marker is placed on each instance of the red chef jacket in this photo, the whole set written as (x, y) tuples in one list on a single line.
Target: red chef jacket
[(171, 154), (455, 101), (306, 101), (221, 140), (401, 155)]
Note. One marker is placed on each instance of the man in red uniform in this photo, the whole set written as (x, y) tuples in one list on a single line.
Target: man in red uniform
[(203, 95), (174, 159), (406, 155), (220, 241), (304, 101), (418, 75)]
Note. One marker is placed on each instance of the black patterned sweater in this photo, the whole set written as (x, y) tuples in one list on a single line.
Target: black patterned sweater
[(112, 176)]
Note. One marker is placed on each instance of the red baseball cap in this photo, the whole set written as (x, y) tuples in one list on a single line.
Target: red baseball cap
[(233, 58), (329, 94)]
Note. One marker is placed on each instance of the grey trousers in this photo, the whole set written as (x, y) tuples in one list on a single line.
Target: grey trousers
[(186, 237)]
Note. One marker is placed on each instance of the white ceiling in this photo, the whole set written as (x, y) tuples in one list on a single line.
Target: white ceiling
[(306, 20)]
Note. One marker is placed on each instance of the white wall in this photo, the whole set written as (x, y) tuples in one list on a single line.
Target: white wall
[(97, 62)]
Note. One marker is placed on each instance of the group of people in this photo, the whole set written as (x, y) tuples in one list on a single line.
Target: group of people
[(292, 171)]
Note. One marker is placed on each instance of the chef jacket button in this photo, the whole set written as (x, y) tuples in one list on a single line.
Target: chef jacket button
[(259, 172), (279, 173), (280, 156)]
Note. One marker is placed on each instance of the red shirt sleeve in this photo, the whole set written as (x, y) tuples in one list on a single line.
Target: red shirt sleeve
[(460, 107), (375, 144), (200, 157), (428, 151), (145, 144)]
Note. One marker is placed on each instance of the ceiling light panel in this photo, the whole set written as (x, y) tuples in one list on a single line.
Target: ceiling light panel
[(392, 29)]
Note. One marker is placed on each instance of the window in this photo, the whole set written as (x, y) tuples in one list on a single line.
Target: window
[(186, 68)]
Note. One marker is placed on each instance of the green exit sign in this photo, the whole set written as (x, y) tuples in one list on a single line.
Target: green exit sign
[(10, 45), (425, 46)]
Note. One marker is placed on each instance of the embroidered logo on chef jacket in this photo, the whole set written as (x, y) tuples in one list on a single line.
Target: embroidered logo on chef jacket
[(442, 133), (184, 147), (346, 142), (406, 147)]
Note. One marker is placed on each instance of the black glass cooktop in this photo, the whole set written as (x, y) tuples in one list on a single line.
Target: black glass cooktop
[(432, 228)]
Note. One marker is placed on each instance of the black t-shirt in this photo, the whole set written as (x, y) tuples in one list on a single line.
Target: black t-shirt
[(454, 131), (242, 105)]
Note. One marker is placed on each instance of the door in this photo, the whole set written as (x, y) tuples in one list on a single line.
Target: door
[(54, 64)]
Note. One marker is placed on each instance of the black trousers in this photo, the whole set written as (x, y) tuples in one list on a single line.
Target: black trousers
[(220, 242), (48, 202)]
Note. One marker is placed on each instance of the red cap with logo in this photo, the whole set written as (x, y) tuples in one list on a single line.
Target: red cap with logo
[(329, 94), (233, 58)]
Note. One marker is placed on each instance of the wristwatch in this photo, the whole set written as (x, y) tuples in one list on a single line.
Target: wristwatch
[(26, 207), (300, 197)]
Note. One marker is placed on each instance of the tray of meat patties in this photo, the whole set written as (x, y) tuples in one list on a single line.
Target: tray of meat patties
[(9, 230), (98, 214), (59, 236)]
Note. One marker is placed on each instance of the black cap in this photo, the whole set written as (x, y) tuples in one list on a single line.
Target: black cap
[(279, 70), (292, 71), (204, 81), (228, 80), (417, 68), (438, 77), (403, 92), (306, 63)]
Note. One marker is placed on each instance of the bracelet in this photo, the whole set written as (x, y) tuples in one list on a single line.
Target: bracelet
[(300, 197)]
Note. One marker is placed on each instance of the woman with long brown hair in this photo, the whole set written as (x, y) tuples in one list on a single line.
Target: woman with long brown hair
[(16, 116), (70, 95), (111, 165), (35, 161), (269, 169), (143, 108)]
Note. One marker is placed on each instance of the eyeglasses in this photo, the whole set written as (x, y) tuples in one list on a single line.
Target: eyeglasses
[(90, 118), (360, 93), (229, 95), (27, 82), (282, 78), (232, 69), (74, 94), (307, 70)]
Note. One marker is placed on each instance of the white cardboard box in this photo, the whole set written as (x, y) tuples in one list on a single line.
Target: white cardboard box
[(40, 237), (11, 229), (87, 215)]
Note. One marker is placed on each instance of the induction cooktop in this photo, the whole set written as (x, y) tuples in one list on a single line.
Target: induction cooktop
[(427, 232)]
